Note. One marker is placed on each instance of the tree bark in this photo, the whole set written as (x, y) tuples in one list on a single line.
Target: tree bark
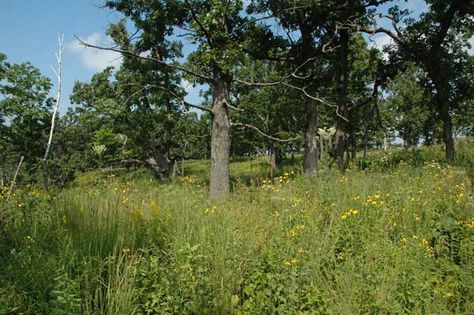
[(310, 161), (159, 165), (442, 101), (321, 147), (366, 141), (342, 125), (273, 157), (219, 186)]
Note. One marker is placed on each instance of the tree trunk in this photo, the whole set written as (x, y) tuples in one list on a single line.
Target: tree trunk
[(220, 141), (273, 157), (442, 100), (159, 165), (310, 162), (321, 147), (366, 141), (310, 159), (342, 82)]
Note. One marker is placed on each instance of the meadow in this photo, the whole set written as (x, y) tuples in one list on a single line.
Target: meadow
[(393, 236)]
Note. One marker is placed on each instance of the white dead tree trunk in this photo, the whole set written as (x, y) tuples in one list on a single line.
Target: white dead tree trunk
[(59, 56)]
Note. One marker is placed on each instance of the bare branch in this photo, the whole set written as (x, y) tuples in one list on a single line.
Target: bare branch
[(264, 134), (317, 99), (184, 103), (157, 60)]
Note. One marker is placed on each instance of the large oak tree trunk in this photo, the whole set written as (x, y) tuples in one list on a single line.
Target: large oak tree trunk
[(220, 141), (310, 161), (442, 101), (342, 125)]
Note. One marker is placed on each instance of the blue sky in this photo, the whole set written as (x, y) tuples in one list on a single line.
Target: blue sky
[(29, 30)]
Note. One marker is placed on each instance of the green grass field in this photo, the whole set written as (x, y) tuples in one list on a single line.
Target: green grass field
[(396, 238)]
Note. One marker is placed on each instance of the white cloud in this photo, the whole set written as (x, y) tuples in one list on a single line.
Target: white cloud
[(186, 85), (470, 51), (379, 41), (92, 58)]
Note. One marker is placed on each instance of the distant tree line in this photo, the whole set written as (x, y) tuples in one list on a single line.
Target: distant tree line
[(276, 72)]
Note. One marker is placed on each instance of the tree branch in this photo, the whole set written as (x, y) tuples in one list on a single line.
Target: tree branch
[(161, 62), (264, 134), (198, 22), (182, 100)]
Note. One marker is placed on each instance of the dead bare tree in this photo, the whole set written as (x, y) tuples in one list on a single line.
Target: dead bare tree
[(57, 72)]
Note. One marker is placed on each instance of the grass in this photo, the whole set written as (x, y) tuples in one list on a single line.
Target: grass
[(392, 239)]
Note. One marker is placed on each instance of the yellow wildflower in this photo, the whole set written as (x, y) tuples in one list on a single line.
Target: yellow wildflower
[(125, 250)]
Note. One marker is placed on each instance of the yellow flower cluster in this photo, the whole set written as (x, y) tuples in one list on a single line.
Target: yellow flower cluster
[(433, 165), (125, 250), (290, 262), (459, 197), (35, 191), (349, 213), (155, 208), (374, 200), (210, 210), (286, 177), (187, 179), (343, 180), (4, 191), (266, 183), (469, 224), (294, 231), (125, 200), (423, 243)]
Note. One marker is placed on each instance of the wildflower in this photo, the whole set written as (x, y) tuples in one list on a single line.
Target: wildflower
[(125, 250), (404, 241), (154, 208), (125, 200), (293, 232), (426, 246), (349, 213), (469, 224), (290, 262), (210, 210)]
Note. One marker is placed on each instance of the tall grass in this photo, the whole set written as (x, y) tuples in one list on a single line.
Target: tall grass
[(394, 240)]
